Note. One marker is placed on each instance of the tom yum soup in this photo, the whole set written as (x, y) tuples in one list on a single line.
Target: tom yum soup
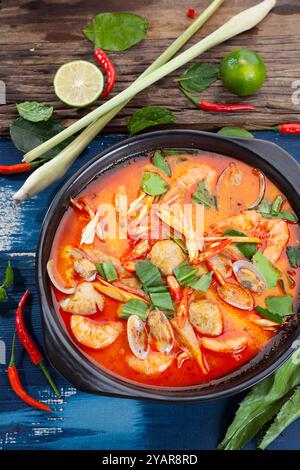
[(176, 269)]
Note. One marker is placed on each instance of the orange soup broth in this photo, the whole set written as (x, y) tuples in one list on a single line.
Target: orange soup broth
[(236, 322)]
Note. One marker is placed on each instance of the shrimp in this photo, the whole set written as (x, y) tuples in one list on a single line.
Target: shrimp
[(166, 255), (95, 335), (275, 231), (154, 364), (190, 177), (206, 317), (85, 301)]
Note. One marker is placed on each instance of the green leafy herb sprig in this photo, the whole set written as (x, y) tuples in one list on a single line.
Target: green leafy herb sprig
[(7, 282)]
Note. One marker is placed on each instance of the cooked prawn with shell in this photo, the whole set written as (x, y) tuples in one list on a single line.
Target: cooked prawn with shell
[(155, 364), (85, 301), (92, 334), (275, 231)]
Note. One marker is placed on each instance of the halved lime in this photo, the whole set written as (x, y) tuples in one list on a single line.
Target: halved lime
[(78, 83)]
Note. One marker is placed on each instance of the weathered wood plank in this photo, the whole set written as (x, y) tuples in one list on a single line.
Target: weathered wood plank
[(53, 29)]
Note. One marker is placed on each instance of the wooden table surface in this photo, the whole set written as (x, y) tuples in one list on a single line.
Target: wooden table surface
[(82, 421), (37, 36)]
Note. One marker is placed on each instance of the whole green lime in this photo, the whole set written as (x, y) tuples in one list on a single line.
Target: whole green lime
[(243, 72)]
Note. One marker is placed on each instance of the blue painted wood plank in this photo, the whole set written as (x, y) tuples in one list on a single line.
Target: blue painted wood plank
[(82, 421)]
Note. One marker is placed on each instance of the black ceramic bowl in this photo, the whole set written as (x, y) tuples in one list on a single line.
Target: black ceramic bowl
[(71, 362)]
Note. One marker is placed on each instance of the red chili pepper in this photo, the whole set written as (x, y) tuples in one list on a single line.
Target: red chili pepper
[(219, 278), (20, 167), (191, 13), (175, 288), (288, 128), (30, 345), (218, 107), (225, 108), (212, 250), (182, 312), (14, 380), (108, 68)]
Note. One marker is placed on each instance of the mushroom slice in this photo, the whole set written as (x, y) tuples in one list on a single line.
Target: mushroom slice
[(226, 345), (85, 301), (161, 331), (55, 282), (93, 334), (137, 337), (206, 318), (154, 364)]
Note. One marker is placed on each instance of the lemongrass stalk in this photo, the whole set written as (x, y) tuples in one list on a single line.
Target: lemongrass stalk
[(236, 25), (100, 123), (57, 167)]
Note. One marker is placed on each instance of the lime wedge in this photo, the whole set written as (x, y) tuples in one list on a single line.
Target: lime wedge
[(78, 83)]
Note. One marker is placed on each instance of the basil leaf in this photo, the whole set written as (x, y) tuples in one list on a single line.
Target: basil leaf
[(3, 294), (264, 207), (232, 131), (281, 215), (107, 270), (149, 116), (153, 184), (159, 161), (202, 195), (261, 404), (148, 274), (289, 412), (293, 254), (185, 274), (34, 111), (27, 135), (8, 276), (203, 283), (134, 307), (198, 77), (275, 317), (247, 249), (116, 31), (267, 269), (278, 308), (277, 204), (272, 211), (282, 305), (161, 300)]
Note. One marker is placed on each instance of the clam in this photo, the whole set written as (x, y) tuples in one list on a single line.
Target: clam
[(55, 282), (161, 331), (248, 276), (137, 337), (236, 295), (86, 269)]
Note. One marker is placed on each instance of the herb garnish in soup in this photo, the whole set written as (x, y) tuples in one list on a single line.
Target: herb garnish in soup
[(175, 269)]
